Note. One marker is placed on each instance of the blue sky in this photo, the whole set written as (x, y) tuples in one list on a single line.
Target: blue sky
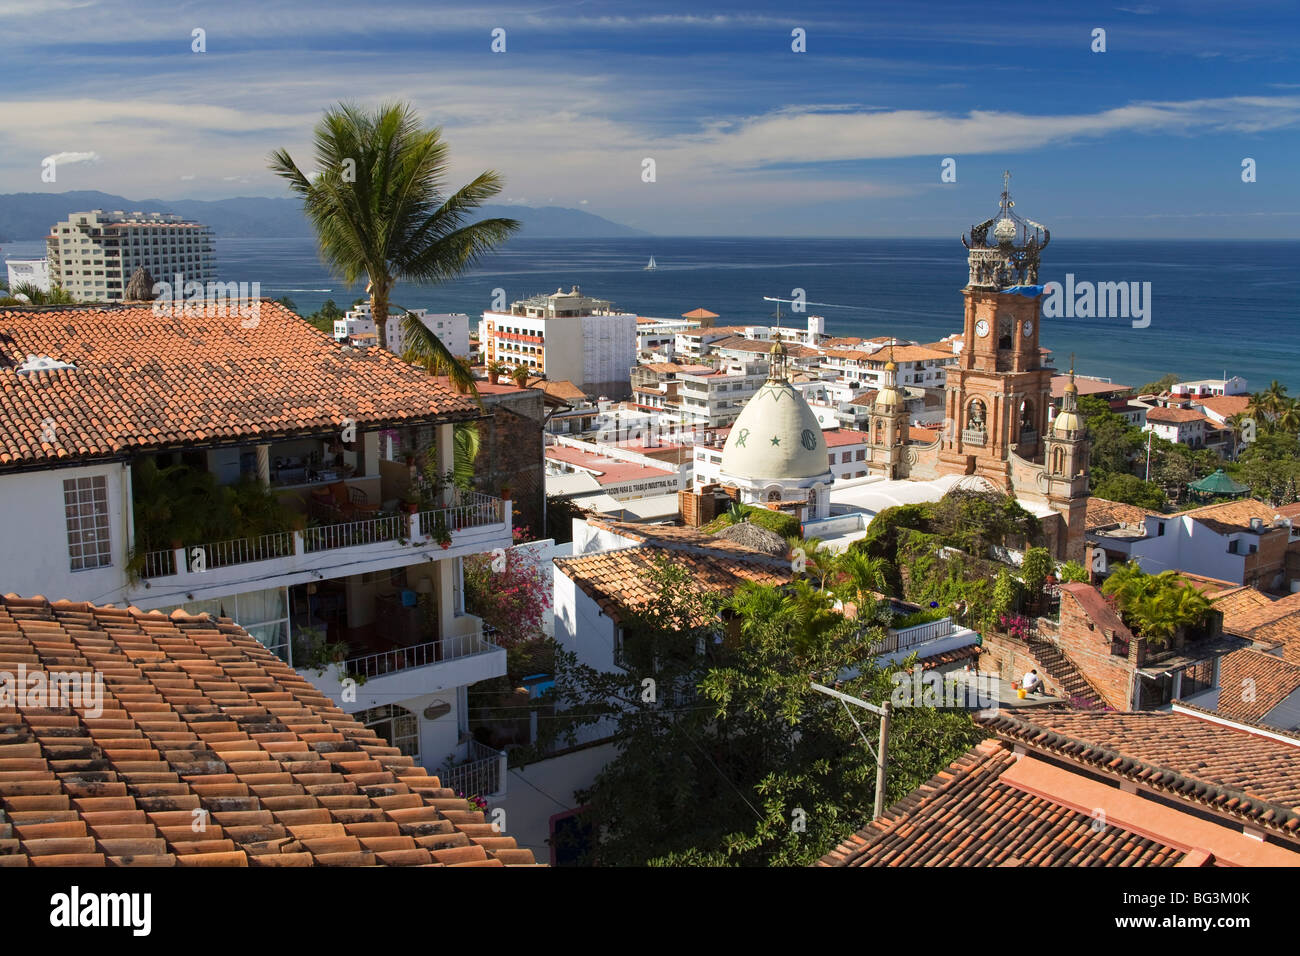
[(748, 137)]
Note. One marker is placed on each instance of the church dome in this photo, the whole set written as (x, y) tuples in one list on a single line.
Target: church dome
[(1067, 423), (776, 436)]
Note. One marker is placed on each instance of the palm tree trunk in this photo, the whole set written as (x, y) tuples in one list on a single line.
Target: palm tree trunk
[(379, 309)]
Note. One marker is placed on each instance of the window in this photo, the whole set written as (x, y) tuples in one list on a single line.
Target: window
[(862, 454), (1160, 529), (85, 506), (399, 726)]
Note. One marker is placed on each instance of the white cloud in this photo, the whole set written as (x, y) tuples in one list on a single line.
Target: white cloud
[(68, 159)]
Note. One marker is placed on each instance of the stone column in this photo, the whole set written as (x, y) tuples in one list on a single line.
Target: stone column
[(264, 464)]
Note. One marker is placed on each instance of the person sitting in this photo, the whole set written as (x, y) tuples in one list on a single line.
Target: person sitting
[(1032, 683)]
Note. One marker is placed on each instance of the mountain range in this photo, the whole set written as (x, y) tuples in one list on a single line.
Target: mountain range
[(28, 216)]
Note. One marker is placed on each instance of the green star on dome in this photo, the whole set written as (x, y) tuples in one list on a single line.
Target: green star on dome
[(775, 440)]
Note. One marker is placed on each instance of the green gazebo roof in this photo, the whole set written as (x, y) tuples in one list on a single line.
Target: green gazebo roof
[(1218, 484)]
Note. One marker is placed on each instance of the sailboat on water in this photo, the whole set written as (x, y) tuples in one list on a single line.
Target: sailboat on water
[(650, 266)]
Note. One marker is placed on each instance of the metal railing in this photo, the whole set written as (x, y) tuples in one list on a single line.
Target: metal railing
[(419, 655), (468, 509), (222, 554), (1028, 436), (352, 533), (480, 775), (899, 640), (159, 564)]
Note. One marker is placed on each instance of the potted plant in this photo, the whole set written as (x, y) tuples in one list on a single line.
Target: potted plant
[(505, 492), (441, 532)]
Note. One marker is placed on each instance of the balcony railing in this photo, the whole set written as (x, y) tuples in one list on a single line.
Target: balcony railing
[(918, 634), (419, 655), (469, 509), (974, 436), (466, 510), (351, 533), (1028, 437), (481, 775), (222, 554)]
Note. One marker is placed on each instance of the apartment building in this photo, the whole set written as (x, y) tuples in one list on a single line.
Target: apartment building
[(715, 398), (263, 474), (94, 254), (358, 328), (565, 335)]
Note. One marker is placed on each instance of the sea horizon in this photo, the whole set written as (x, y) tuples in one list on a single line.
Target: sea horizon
[(1213, 301)]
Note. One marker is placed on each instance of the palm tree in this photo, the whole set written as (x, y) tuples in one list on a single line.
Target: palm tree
[(1258, 409), (379, 209), (858, 576), (34, 296), (1276, 397), (1288, 419), (424, 348)]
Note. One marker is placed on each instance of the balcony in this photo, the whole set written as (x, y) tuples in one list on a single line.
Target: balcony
[(974, 436), (463, 656), (482, 773), (472, 523), (1029, 437), (910, 637)]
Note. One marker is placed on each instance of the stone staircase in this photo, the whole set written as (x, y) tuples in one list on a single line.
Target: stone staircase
[(1062, 671)]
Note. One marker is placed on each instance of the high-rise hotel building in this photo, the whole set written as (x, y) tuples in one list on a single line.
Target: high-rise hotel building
[(94, 254)]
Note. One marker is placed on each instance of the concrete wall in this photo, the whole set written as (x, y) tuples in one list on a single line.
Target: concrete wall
[(581, 627), (34, 544), (535, 794)]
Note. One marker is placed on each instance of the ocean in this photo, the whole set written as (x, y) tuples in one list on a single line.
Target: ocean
[(1216, 307)]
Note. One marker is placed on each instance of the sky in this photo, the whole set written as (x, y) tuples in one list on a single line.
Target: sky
[(1145, 139)]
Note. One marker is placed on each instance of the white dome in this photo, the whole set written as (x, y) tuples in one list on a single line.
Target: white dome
[(777, 437)]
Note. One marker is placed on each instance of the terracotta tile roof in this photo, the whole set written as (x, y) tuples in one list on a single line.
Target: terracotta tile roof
[(836, 437), (922, 436), (679, 538), (949, 657), (966, 815), (621, 580), (559, 388), (1229, 516), (1175, 416), (866, 399), (1245, 608), (1224, 405), (1251, 683), (143, 381), (1231, 771), (606, 470), (198, 716), (740, 343), (1103, 513)]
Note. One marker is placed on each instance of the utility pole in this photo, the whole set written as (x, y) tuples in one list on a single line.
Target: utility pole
[(882, 754), (1148, 478)]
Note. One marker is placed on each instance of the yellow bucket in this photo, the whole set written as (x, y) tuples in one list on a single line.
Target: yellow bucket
[(1020, 692)]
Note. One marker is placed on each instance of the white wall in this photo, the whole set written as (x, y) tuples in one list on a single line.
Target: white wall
[(542, 790), (34, 545), (581, 627)]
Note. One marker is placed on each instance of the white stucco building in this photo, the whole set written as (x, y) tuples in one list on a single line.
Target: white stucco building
[(565, 335)]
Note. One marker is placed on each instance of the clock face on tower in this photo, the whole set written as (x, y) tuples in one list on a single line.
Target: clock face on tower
[(981, 328), (1027, 329)]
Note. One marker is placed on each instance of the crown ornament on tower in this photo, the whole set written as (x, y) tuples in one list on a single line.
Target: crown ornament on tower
[(1009, 257)]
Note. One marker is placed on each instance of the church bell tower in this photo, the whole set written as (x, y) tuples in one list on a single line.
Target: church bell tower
[(998, 391)]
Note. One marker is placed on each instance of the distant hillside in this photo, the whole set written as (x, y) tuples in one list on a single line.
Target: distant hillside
[(27, 216)]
